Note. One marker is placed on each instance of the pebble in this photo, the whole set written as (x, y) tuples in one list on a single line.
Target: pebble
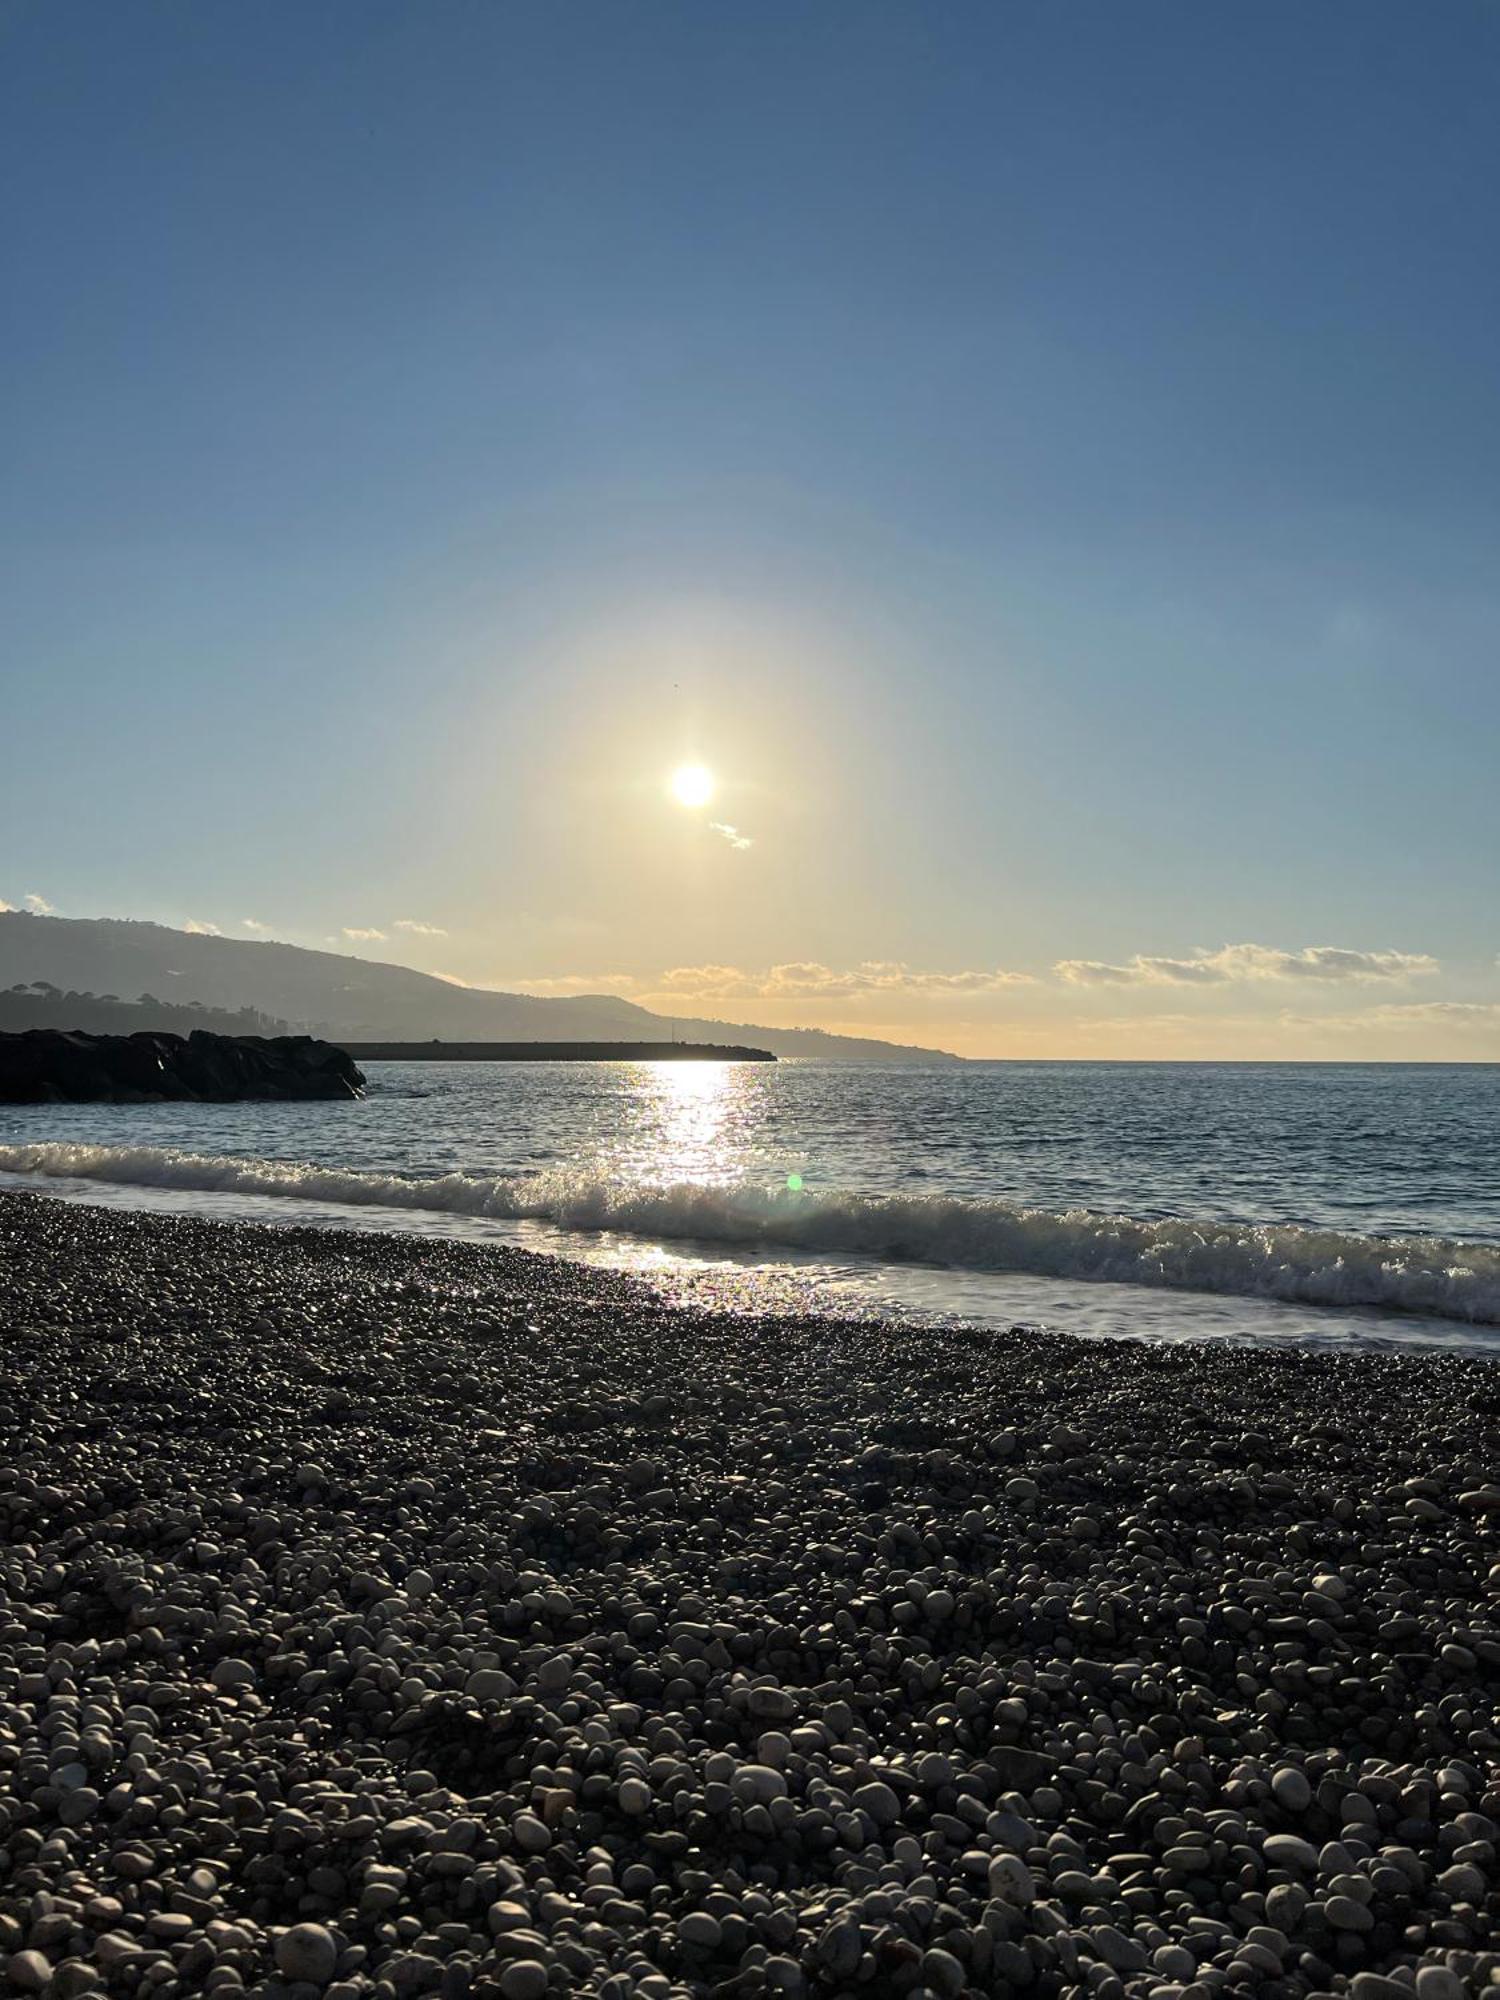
[(524, 1979), (385, 1617), (1464, 1883), (1290, 1789), (489, 1684), (1345, 1913), (757, 1784), (232, 1673), (307, 1952), (530, 1834), (1289, 1850), (699, 1930), (1437, 1982)]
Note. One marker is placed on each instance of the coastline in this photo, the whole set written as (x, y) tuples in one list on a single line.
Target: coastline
[(934, 1251), (424, 1617)]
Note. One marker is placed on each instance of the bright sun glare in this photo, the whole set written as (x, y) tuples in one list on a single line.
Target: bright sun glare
[(692, 785)]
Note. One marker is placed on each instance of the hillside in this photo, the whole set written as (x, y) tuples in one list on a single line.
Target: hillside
[(355, 999), (46, 1006)]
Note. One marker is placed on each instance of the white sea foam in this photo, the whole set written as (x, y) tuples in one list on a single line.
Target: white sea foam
[(1414, 1274)]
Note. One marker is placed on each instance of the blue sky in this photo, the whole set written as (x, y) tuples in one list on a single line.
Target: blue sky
[(1044, 460)]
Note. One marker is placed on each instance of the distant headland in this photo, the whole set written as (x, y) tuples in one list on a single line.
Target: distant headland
[(59, 966)]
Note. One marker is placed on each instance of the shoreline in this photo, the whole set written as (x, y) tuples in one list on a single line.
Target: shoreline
[(387, 1615), (1161, 1277)]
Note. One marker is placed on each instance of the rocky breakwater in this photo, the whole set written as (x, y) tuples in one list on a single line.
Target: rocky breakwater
[(57, 1066), (385, 1618)]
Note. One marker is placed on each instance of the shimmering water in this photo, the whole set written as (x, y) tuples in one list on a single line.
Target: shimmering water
[(1328, 1202)]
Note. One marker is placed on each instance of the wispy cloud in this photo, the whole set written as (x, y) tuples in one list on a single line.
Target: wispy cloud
[(1410, 1014), (38, 905), (572, 983), (1452, 1030), (417, 928), (358, 936), (254, 924), (800, 979), (730, 833), (195, 929), (452, 979), (1235, 963), (807, 979)]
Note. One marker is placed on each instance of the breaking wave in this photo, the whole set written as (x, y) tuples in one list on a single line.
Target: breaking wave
[(1321, 1267)]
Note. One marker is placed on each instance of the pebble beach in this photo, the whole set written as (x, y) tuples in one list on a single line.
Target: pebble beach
[(385, 1617)]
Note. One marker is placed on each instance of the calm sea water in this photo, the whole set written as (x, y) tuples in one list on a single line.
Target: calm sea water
[(1306, 1202)]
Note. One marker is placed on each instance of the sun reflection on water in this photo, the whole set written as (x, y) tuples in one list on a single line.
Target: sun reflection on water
[(687, 1111)]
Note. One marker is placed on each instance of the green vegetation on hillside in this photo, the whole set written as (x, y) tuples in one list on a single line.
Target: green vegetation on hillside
[(40, 1004)]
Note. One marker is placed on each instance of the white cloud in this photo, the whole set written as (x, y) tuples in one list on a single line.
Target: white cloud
[(254, 924), (807, 979), (6, 908), (705, 980), (730, 833), (357, 936), (452, 979), (1235, 963), (1093, 972), (38, 905), (418, 929), (195, 929)]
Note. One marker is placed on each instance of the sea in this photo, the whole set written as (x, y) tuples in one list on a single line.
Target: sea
[(1330, 1205)]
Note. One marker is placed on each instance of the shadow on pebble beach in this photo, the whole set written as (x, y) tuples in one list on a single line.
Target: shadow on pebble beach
[(385, 1617)]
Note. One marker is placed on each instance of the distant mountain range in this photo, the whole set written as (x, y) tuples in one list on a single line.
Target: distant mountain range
[(356, 999)]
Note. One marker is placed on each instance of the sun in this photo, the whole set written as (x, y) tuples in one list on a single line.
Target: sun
[(692, 785)]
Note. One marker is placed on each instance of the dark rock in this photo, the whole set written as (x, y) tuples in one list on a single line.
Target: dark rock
[(60, 1066)]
